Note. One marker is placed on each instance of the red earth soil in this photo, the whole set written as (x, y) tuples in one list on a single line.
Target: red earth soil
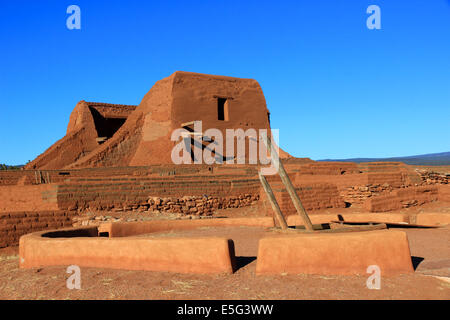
[(429, 250)]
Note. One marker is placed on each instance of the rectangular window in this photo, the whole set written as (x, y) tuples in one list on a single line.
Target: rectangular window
[(222, 109)]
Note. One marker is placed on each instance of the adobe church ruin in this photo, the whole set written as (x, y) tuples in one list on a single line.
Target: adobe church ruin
[(106, 135), (117, 158)]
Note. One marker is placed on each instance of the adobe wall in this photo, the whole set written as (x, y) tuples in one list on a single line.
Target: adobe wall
[(145, 137), (313, 197), (314, 184), (65, 150), (356, 183), (29, 177), (195, 97), (10, 177), (28, 198), (194, 190), (200, 189), (15, 224), (191, 196), (181, 255), (180, 189), (109, 110), (334, 253), (402, 198), (348, 174), (430, 177), (444, 193), (150, 120), (187, 97), (322, 168), (80, 139)]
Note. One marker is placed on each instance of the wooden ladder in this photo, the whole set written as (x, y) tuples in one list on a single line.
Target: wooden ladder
[(289, 187)]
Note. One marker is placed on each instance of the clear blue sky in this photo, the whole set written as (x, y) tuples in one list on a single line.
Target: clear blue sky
[(334, 88)]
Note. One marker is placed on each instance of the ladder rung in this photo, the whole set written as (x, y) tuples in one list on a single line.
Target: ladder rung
[(187, 124), (186, 134)]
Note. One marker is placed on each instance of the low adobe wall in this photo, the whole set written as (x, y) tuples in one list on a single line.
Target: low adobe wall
[(179, 189), (314, 253), (125, 229), (422, 219), (444, 193), (321, 168), (122, 251), (402, 198), (119, 195), (182, 255), (15, 224), (434, 219), (320, 185), (314, 196), (108, 174), (295, 220), (28, 198), (335, 253)]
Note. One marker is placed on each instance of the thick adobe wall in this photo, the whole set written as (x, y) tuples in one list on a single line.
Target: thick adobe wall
[(36, 177), (393, 186), (110, 111), (127, 229), (88, 121), (182, 255), (348, 174), (145, 137), (444, 193), (222, 103), (149, 119), (154, 145), (188, 97), (199, 195), (323, 168), (28, 198), (356, 183), (196, 97), (402, 198), (78, 141), (138, 136), (189, 189), (315, 194), (396, 174), (335, 253), (201, 189), (11, 177), (376, 187), (312, 196), (15, 224)]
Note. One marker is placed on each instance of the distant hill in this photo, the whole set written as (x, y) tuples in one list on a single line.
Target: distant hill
[(431, 159)]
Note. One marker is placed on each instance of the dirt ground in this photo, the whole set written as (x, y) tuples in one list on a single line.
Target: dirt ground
[(430, 250)]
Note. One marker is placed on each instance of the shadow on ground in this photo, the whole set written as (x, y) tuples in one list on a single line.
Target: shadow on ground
[(416, 261), (243, 261)]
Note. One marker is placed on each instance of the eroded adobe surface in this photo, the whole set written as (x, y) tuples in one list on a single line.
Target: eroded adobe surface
[(89, 125)]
